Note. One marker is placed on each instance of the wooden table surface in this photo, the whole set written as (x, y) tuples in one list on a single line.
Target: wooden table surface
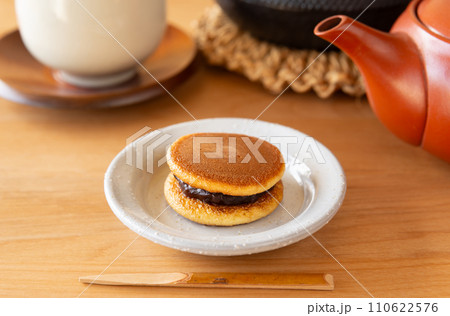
[(392, 232)]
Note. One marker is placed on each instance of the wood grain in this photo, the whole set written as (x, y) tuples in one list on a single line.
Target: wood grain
[(392, 232)]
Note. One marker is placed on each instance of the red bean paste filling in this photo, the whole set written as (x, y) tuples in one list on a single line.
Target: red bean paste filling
[(217, 198)]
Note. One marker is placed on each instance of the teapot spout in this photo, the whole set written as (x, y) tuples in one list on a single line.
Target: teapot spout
[(392, 70)]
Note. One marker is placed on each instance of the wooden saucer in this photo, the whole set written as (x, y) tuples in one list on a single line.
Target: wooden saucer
[(24, 80)]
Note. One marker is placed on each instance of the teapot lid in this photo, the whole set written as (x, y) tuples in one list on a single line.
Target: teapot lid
[(434, 14)]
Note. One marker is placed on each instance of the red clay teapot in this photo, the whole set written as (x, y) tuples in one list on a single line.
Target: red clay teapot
[(406, 71)]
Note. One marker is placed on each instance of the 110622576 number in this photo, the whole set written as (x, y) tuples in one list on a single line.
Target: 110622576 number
[(380, 307)]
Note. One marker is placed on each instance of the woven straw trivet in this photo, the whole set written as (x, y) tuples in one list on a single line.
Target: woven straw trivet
[(224, 44)]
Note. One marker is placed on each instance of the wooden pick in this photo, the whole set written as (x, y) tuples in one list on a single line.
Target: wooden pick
[(293, 281)]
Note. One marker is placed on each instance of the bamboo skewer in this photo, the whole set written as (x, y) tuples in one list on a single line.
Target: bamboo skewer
[(294, 281)]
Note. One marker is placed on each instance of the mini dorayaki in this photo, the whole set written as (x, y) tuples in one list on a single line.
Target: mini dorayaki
[(223, 179)]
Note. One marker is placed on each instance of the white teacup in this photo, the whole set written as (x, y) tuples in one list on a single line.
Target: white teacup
[(65, 36)]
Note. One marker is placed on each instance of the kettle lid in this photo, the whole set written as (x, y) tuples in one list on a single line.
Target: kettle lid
[(435, 14)]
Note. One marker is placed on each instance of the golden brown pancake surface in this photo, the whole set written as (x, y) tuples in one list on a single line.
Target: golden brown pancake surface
[(236, 170)]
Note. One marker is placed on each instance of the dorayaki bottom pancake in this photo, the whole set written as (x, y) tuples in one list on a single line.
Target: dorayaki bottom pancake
[(221, 215)]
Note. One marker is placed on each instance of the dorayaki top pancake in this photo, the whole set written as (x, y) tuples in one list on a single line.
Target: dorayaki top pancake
[(231, 164)]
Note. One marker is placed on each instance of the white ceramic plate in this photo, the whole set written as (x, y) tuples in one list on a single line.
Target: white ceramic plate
[(313, 192)]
